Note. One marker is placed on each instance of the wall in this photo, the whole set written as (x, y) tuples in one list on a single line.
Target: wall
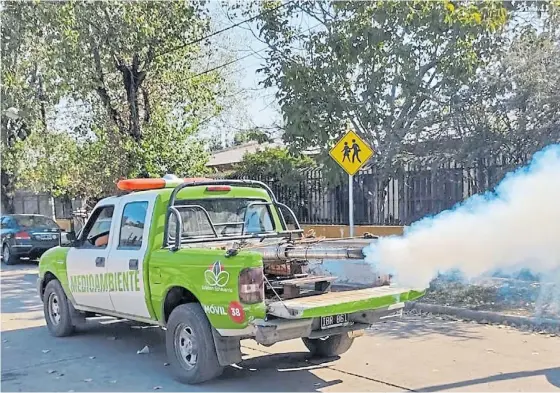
[(338, 231), (63, 223), (27, 202)]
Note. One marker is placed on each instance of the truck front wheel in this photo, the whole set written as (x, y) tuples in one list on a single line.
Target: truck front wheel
[(328, 346), (57, 311), (190, 345)]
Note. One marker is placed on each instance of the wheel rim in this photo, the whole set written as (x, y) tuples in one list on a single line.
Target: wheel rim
[(185, 344), (54, 308), (6, 253)]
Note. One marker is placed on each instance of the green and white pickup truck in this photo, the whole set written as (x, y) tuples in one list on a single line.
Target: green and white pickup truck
[(212, 262)]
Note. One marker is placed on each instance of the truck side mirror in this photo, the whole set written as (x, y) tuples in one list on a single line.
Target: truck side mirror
[(67, 239)]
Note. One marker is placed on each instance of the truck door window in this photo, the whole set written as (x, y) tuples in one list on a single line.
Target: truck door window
[(97, 230), (132, 225)]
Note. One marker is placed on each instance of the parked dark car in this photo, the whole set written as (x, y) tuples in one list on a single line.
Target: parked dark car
[(27, 236)]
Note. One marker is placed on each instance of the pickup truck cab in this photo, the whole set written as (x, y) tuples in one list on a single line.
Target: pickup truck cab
[(211, 262)]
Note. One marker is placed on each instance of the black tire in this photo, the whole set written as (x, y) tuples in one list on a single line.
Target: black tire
[(190, 320), (330, 346), (7, 256), (60, 325)]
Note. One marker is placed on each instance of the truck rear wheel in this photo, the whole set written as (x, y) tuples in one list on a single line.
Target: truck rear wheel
[(57, 311), (190, 345), (328, 346)]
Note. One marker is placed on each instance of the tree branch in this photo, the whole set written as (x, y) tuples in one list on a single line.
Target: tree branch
[(102, 90), (147, 107)]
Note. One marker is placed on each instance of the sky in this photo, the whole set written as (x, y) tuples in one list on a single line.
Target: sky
[(259, 106)]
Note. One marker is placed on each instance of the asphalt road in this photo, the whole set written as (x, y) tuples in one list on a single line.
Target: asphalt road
[(415, 353)]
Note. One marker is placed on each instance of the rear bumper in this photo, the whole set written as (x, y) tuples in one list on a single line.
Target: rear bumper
[(30, 250), (276, 330)]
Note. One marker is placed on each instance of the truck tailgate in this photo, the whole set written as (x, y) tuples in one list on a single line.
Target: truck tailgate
[(332, 303)]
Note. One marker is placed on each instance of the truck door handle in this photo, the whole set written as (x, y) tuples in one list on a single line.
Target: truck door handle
[(133, 264), (99, 262)]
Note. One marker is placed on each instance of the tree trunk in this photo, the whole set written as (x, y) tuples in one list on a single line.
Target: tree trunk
[(132, 79), (8, 193)]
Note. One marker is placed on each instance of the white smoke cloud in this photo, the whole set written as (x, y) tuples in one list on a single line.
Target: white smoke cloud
[(516, 226)]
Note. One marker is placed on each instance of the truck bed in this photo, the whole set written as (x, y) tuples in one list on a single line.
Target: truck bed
[(342, 302)]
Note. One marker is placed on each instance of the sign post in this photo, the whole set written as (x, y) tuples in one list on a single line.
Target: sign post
[(351, 204), (351, 153)]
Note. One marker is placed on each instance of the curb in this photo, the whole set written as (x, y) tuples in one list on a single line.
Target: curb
[(484, 316)]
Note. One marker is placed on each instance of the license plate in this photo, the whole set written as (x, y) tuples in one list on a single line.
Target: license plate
[(46, 237), (334, 320)]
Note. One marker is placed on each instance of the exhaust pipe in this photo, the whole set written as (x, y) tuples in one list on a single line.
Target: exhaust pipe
[(286, 252)]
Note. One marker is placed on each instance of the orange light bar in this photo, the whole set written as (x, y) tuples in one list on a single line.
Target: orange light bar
[(154, 184), (140, 184), (218, 188)]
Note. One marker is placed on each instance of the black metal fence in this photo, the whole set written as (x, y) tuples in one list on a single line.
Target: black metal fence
[(415, 192)]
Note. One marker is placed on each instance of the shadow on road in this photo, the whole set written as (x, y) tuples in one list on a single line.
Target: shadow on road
[(415, 326), (19, 292), (551, 374), (105, 351)]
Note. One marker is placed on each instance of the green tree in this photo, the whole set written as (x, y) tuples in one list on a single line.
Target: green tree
[(385, 67), (63, 165), (275, 164), (170, 148), (126, 55), (252, 135), (25, 90), (135, 67), (512, 109), (285, 172)]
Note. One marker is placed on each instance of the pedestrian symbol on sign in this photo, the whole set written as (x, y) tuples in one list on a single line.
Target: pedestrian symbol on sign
[(346, 150), (356, 149), (351, 152)]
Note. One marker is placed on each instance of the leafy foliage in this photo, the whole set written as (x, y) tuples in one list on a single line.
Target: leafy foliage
[(24, 91), (385, 67), (513, 109), (133, 68), (60, 165), (167, 148), (252, 135), (274, 164), (128, 54)]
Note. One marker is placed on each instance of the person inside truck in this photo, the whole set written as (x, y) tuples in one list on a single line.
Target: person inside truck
[(102, 241), (98, 235)]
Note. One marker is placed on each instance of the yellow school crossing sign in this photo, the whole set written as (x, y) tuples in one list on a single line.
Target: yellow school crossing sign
[(351, 152)]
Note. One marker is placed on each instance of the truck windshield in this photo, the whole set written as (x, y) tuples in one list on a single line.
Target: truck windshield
[(227, 216)]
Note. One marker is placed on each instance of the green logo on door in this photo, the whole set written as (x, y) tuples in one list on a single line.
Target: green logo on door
[(127, 281)]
